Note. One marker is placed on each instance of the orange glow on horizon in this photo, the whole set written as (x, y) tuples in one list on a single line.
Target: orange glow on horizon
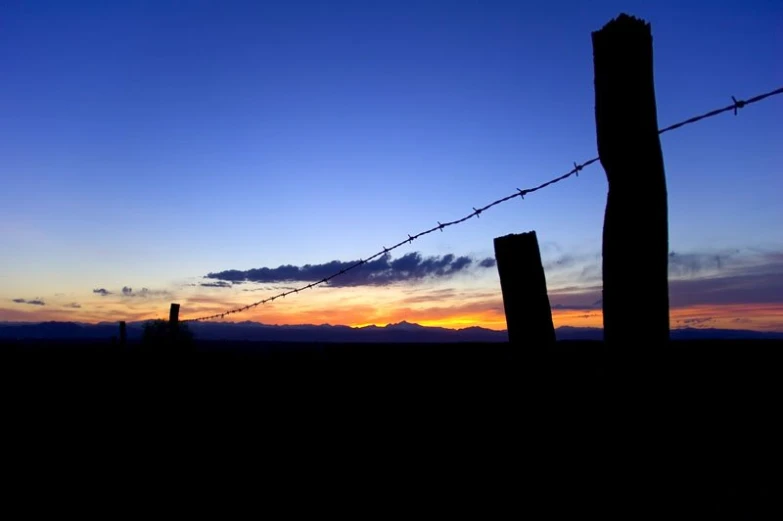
[(490, 320), (355, 311), (490, 315), (578, 318), (756, 317)]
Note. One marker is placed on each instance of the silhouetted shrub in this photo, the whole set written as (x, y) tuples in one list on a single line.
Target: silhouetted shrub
[(160, 335)]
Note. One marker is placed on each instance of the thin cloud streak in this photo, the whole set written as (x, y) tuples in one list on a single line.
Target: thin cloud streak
[(33, 302)]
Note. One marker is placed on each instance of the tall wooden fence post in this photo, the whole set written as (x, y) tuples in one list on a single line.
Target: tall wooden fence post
[(635, 235), (522, 281)]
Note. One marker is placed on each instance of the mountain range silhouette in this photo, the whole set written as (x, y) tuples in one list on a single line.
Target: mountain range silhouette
[(401, 332)]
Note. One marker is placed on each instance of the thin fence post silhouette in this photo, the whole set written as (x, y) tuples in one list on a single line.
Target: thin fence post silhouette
[(123, 333), (523, 283), (635, 234), (173, 321)]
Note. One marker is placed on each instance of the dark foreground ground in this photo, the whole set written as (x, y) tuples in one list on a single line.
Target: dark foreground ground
[(687, 431)]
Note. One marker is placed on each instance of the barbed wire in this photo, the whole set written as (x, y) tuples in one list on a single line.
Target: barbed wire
[(735, 107), (738, 104)]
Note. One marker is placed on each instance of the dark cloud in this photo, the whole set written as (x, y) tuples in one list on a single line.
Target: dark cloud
[(489, 262), (126, 291), (378, 272), (73, 305), (102, 292), (218, 284), (34, 302)]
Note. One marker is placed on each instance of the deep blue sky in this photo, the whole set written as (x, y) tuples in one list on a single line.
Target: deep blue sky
[(152, 141)]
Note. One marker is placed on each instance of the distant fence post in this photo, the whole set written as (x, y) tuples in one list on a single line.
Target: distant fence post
[(635, 235), (123, 333), (173, 322), (522, 281), (174, 316)]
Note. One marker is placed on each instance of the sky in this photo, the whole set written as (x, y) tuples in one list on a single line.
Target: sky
[(183, 151)]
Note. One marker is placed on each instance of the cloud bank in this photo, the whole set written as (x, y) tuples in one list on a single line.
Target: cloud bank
[(379, 272)]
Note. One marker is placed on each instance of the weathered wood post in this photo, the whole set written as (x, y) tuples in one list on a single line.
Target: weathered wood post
[(522, 281), (123, 333), (635, 235)]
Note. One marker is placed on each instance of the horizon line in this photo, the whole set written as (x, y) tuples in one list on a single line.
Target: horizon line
[(686, 327)]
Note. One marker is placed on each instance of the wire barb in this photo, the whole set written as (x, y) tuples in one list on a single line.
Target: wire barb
[(734, 107), (738, 104)]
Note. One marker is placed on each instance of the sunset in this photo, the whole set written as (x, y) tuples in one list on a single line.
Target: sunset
[(525, 255), (474, 299), (215, 155)]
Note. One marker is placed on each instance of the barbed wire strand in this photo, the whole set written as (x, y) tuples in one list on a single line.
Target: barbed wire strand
[(735, 107)]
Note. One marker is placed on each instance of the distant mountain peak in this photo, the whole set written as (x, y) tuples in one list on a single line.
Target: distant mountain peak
[(405, 325)]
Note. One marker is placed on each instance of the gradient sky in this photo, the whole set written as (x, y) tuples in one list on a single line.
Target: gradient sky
[(146, 144)]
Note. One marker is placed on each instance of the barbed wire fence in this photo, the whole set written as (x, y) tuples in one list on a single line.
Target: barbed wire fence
[(734, 107)]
